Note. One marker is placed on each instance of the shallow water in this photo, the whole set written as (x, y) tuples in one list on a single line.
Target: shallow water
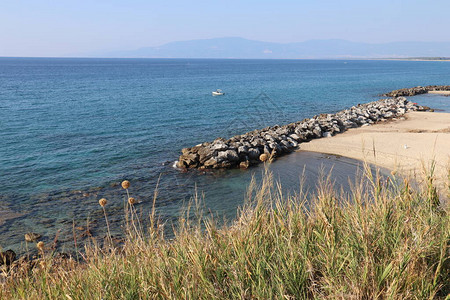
[(71, 128), (221, 192), (439, 103)]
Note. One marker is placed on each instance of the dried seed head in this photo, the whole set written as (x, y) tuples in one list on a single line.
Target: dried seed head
[(43, 264), (40, 246), (263, 157), (102, 202), (131, 200), (125, 184)]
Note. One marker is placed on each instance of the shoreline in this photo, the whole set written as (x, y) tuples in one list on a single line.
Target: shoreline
[(406, 146), (445, 93), (251, 148), (407, 59)]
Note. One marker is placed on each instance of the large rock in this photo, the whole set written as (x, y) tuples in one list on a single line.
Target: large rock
[(188, 160), (204, 154), (211, 163), (219, 146), (232, 155), (253, 153), (243, 150)]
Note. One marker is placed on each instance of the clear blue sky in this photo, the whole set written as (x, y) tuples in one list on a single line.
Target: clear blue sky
[(69, 27)]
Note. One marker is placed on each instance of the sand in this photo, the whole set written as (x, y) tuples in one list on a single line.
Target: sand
[(407, 146), (447, 93)]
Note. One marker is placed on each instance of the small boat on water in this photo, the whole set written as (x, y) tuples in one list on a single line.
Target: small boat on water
[(218, 93)]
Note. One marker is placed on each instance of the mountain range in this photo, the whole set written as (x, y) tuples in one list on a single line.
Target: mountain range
[(236, 47)]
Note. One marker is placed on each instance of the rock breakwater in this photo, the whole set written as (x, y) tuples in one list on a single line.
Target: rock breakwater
[(260, 145), (417, 90)]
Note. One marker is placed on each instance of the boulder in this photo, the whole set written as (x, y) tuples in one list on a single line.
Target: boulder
[(295, 137), (188, 160), (243, 149), (253, 153), (211, 163), (317, 131), (244, 164), (228, 155), (204, 154), (219, 146)]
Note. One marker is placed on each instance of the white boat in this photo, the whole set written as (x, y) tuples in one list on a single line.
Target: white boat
[(218, 93)]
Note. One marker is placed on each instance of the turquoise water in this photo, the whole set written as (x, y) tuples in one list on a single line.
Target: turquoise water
[(72, 128)]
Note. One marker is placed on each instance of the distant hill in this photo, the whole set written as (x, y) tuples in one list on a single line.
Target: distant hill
[(235, 47)]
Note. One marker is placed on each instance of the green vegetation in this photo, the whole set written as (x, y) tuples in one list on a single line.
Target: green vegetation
[(383, 240)]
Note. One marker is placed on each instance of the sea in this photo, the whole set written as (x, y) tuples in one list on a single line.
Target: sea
[(73, 128)]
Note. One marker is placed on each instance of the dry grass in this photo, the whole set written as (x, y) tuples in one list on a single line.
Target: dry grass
[(383, 240)]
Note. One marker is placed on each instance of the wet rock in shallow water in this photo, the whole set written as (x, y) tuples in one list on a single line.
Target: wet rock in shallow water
[(188, 160), (211, 163), (285, 146), (204, 154), (32, 237), (253, 154), (244, 164)]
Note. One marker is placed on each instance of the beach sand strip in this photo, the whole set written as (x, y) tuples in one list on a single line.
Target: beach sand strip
[(407, 146)]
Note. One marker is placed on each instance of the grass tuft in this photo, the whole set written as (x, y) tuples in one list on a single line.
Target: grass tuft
[(382, 240)]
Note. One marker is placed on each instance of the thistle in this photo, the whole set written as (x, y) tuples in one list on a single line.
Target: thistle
[(40, 246), (125, 184), (102, 202), (263, 157)]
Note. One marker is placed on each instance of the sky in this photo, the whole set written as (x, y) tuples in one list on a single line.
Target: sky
[(73, 28)]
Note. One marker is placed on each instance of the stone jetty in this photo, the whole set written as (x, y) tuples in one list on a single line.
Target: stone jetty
[(260, 145), (417, 90)]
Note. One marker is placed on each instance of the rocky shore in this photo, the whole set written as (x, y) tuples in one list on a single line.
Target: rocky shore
[(260, 145), (417, 90)]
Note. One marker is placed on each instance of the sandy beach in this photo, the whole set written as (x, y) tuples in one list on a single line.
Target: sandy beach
[(447, 93), (407, 146)]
